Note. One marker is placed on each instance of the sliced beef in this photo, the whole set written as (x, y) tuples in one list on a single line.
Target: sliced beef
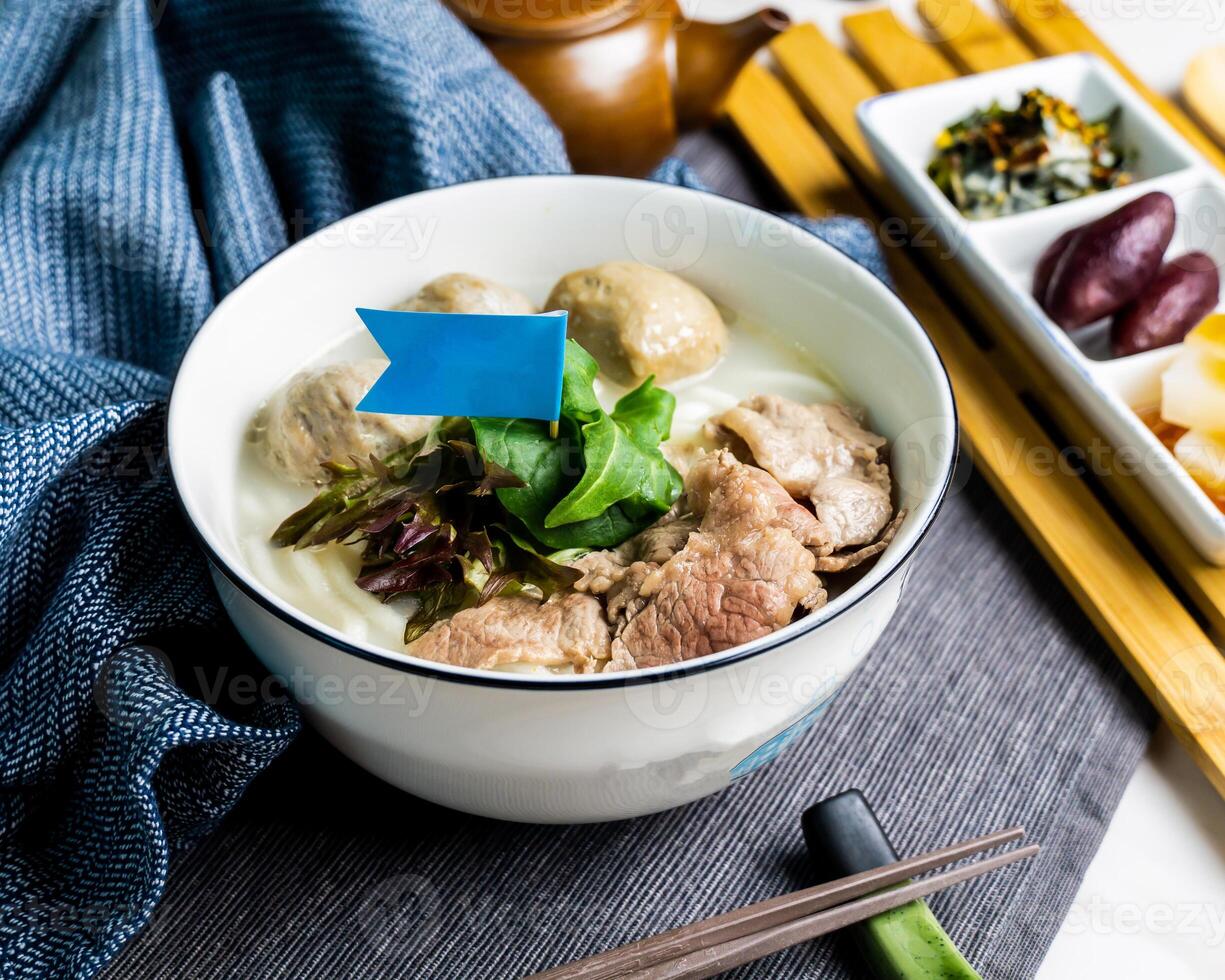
[(844, 560), (739, 553), (851, 511), (625, 599), (664, 538), (800, 445), (567, 629), (617, 575), (715, 469), (602, 570), (821, 452), (739, 577)]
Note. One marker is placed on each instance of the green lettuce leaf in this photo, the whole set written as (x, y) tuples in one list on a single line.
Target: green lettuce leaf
[(602, 479), (646, 414), (618, 470), (578, 400)]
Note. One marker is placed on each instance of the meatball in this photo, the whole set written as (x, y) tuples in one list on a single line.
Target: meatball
[(638, 321), (458, 292), (312, 419)]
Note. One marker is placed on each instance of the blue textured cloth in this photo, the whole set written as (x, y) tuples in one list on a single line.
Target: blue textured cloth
[(151, 156)]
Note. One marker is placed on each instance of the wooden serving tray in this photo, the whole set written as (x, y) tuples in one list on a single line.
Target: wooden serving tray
[(1156, 607)]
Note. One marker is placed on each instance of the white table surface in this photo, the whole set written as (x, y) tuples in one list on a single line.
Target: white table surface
[(1152, 904)]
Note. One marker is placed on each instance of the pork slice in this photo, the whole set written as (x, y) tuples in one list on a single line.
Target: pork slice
[(567, 629), (739, 577), (821, 452)]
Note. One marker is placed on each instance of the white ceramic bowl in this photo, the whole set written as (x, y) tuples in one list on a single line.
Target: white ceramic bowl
[(581, 748)]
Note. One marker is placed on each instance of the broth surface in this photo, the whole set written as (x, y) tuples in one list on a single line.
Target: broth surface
[(319, 581)]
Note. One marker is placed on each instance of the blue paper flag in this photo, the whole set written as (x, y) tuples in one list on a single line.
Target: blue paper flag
[(467, 364)]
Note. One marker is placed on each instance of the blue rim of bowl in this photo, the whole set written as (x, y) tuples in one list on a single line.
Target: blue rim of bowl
[(491, 678)]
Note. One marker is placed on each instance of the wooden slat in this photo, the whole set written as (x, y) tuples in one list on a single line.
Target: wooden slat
[(1050, 27), (891, 53), (829, 86), (1204, 583), (1145, 624), (815, 182), (970, 39)]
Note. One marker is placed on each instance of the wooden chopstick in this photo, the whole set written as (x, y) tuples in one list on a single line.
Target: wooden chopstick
[(770, 914), (711, 960)]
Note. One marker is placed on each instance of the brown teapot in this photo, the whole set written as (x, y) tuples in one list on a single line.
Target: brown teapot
[(619, 77)]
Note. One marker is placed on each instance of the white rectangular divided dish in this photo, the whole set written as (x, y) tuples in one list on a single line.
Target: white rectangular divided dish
[(1000, 254)]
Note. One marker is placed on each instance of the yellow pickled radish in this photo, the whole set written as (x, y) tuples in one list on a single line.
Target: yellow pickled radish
[(1202, 87), (1193, 392), (1208, 337), (1203, 456)]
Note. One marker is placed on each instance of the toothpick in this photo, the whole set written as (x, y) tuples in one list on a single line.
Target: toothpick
[(553, 429)]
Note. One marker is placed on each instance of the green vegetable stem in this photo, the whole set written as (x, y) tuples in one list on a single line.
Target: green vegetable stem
[(907, 943)]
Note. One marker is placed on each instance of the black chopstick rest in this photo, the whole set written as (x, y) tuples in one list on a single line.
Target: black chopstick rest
[(844, 837)]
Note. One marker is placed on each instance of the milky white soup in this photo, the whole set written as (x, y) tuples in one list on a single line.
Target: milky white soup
[(320, 581)]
